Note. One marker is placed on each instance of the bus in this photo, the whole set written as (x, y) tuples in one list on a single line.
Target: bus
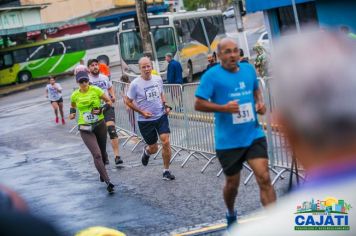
[(56, 56), (171, 34)]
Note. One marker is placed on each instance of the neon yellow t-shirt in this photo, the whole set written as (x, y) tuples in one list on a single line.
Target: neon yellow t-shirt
[(85, 102)]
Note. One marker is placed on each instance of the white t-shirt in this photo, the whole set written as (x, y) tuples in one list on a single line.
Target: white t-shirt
[(101, 81), (53, 94), (147, 96)]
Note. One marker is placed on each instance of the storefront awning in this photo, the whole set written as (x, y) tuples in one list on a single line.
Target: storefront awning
[(261, 5)]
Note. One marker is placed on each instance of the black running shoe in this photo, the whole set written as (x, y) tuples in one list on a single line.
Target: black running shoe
[(110, 187), (145, 157), (118, 160), (168, 176)]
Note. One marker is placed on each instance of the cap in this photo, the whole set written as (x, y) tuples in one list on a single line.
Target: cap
[(91, 61), (81, 75)]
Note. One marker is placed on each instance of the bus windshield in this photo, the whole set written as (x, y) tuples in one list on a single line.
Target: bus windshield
[(131, 45)]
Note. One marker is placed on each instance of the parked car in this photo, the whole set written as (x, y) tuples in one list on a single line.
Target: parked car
[(230, 12), (263, 40)]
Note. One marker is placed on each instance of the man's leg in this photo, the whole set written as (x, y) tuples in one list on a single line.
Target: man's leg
[(230, 192), (113, 137), (166, 150), (260, 169)]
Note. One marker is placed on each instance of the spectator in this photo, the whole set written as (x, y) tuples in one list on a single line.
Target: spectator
[(243, 59), (212, 61), (174, 71)]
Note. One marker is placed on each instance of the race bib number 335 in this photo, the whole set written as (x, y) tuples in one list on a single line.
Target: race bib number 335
[(245, 114), (89, 117)]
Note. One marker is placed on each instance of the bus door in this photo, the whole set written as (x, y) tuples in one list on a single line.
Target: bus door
[(8, 71)]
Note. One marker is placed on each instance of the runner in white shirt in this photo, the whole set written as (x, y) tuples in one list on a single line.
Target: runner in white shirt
[(54, 95), (103, 82)]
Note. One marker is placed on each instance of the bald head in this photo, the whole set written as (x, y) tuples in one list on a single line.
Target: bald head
[(229, 54), (223, 42)]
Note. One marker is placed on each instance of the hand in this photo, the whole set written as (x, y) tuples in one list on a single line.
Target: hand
[(232, 107), (109, 103), (167, 109), (72, 116), (146, 114), (261, 108)]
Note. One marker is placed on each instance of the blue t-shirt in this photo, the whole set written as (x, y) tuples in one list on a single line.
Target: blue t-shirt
[(232, 130), (174, 72)]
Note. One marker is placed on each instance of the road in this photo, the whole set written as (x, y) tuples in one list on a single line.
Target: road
[(53, 171)]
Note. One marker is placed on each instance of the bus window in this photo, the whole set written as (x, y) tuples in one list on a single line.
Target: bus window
[(131, 46), (55, 49), (6, 61), (37, 52), (164, 41), (20, 55), (185, 30)]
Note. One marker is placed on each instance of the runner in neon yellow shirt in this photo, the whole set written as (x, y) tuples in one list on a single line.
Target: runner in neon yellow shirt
[(86, 100)]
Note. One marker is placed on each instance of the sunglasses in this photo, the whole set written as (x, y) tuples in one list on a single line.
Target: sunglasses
[(83, 81)]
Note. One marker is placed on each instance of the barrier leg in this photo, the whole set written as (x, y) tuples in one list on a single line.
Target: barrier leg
[(250, 175), (175, 155), (187, 159), (141, 140), (219, 173), (207, 164), (158, 152), (72, 129), (278, 175), (275, 171)]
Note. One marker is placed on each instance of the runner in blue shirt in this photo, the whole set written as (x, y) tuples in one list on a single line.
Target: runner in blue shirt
[(231, 91)]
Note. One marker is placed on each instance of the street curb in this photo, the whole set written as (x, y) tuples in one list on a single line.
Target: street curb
[(4, 91), (7, 90)]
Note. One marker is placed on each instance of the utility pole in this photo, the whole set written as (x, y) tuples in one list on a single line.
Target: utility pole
[(144, 28), (238, 17)]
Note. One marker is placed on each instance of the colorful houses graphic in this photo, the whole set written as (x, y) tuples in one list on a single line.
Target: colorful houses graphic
[(328, 205)]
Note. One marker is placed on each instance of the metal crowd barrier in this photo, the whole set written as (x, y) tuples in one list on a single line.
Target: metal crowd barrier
[(193, 131)]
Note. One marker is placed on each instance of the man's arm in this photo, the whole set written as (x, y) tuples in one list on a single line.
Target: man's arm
[(111, 92), (206, 106), (129, 103), (260, 106)]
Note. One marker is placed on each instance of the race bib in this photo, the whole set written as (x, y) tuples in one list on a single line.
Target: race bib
[(89, 117), (152, 94), (244, 115)]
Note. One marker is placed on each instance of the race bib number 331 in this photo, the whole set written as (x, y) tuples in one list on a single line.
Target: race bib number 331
[(245, 114)]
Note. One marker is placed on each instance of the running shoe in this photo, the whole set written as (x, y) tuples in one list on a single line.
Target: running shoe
[(118, 160), (63, 121), (110, 187), (230, 220), (57, 120), (145, 157), (168, 176)]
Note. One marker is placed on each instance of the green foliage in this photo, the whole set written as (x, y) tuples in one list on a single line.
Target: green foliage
[(192, 5)]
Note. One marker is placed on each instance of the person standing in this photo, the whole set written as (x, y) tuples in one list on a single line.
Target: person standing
[(87, 101), (104, 68), (102, 81), (54, 95), (231, 91), (212, 62), (174, 70), (145, 96)]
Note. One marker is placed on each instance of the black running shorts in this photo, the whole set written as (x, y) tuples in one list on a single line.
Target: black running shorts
[(232, 160), (109, 114), (149, 129)]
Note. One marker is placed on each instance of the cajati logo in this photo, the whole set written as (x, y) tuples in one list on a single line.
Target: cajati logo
[(327, 214)]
